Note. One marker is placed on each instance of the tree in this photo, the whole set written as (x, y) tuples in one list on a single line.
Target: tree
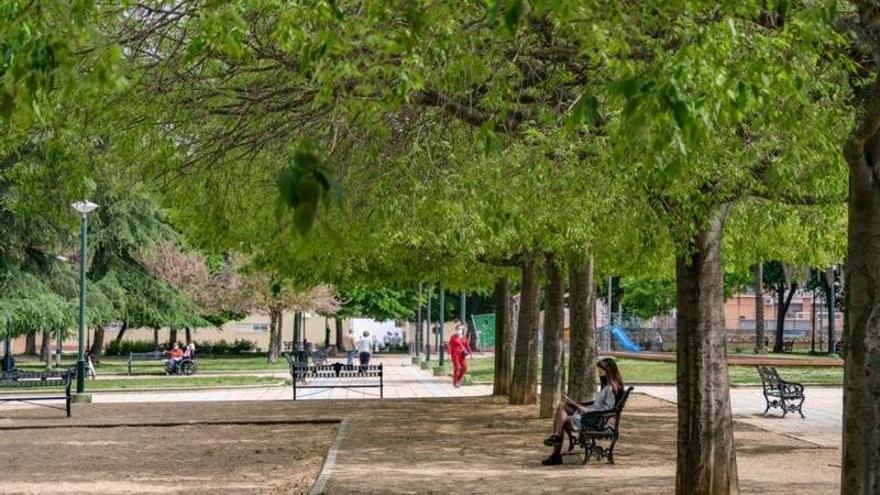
[(781, 278), (861, 404), (553, 355), (760, 348), (647, 297)]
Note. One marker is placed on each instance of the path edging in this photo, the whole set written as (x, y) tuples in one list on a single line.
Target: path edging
[(330, 460)]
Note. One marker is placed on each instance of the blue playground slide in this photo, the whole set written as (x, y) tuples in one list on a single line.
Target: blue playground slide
[(621, 337)]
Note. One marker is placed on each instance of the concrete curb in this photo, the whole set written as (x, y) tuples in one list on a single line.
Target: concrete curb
[(171, 424), (330, 461), (183, 389)]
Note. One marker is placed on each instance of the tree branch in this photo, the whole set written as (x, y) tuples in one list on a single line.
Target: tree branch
[(467, 113)]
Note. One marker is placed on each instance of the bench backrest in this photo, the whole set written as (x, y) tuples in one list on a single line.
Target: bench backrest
[(614, 422), (145, 356), (769, 378), (18, 378), (335, 370)]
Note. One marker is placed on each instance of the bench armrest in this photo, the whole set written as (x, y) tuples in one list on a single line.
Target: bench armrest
[(792, 388)]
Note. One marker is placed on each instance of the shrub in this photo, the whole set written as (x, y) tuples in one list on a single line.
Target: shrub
[(123, 348), (398, 349), (224, 348)]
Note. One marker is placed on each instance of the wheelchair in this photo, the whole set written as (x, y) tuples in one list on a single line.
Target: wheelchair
[(186, 366)]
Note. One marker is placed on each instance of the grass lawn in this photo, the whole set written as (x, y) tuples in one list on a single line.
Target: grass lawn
[(482, 370), (119, 365), (181, 382)]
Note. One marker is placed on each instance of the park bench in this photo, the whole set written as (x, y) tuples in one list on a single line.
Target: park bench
[(187, 366), (336, 375), (787, 346), (788, 396), (25, 382), (605, 430)]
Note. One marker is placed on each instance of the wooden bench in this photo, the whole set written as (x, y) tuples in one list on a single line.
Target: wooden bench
[(186, 366), (605, 430), (787, 346), (19, 380), (354, 376), (788, 396)]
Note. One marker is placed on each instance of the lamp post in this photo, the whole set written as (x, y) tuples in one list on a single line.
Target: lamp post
[(84, 207), (428, 333), (440, 343), (8, 361), (418, 327), (832, 286)]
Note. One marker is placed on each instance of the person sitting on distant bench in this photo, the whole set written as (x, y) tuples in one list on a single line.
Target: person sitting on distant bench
[(572, 416), (175, 355), (190, 351)]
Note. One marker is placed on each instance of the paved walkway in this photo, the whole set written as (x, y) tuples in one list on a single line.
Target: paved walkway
[(823, 409), (402, 380), (779, 360)]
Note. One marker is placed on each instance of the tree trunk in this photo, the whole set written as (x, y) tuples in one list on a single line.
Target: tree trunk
[(297, 329), (861, 354), (326, 333), (340, 346), (97, 344), (524, 385), (121, 331), (45, 349), (784, 304), (30, 344), (271, 356), (189, 337), (172, 337), (156, 339), (582, 307), (503, 342), (760, 348), (706, 461), (279, 332), (553, 357)]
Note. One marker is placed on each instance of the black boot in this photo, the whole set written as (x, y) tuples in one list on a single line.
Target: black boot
[(553, 460)]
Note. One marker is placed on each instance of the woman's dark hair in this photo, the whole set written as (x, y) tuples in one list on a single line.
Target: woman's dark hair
[(612, 376)]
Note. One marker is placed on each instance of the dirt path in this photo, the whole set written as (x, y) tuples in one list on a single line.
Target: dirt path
[(184, 459), (451, 445)]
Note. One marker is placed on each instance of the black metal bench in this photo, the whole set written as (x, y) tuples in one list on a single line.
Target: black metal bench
[(18, 380), (186, 366), (354, 375), (605, 428), (788, 396)]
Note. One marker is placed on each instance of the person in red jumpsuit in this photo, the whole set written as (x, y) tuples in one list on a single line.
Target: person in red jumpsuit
[(459, 349)]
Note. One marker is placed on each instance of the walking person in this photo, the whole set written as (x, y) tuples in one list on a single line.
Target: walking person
[(459, 350), (365, 348), (350, 346)]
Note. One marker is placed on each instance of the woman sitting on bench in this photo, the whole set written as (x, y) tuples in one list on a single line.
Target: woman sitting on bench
[(573, 416)]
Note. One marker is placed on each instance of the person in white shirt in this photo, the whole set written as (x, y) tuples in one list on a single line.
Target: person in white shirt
[(365, 348)]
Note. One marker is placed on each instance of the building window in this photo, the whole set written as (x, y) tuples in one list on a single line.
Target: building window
[(253, 327)]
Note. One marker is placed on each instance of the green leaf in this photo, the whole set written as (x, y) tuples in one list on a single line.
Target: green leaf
[(512, 16)]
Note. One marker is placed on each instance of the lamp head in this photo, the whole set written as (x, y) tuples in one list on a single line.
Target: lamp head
[(84, 207)]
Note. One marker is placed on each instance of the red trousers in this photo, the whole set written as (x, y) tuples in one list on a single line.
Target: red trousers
[(459, 367)]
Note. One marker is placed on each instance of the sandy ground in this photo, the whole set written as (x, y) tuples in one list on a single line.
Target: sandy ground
[(184, 459), (456, 445)]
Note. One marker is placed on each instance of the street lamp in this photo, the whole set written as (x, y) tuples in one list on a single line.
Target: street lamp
[(84, 208)]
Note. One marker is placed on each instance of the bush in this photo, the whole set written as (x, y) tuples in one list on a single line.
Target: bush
[(219, 348), (223, 348), (397, 349), (123, 348)]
